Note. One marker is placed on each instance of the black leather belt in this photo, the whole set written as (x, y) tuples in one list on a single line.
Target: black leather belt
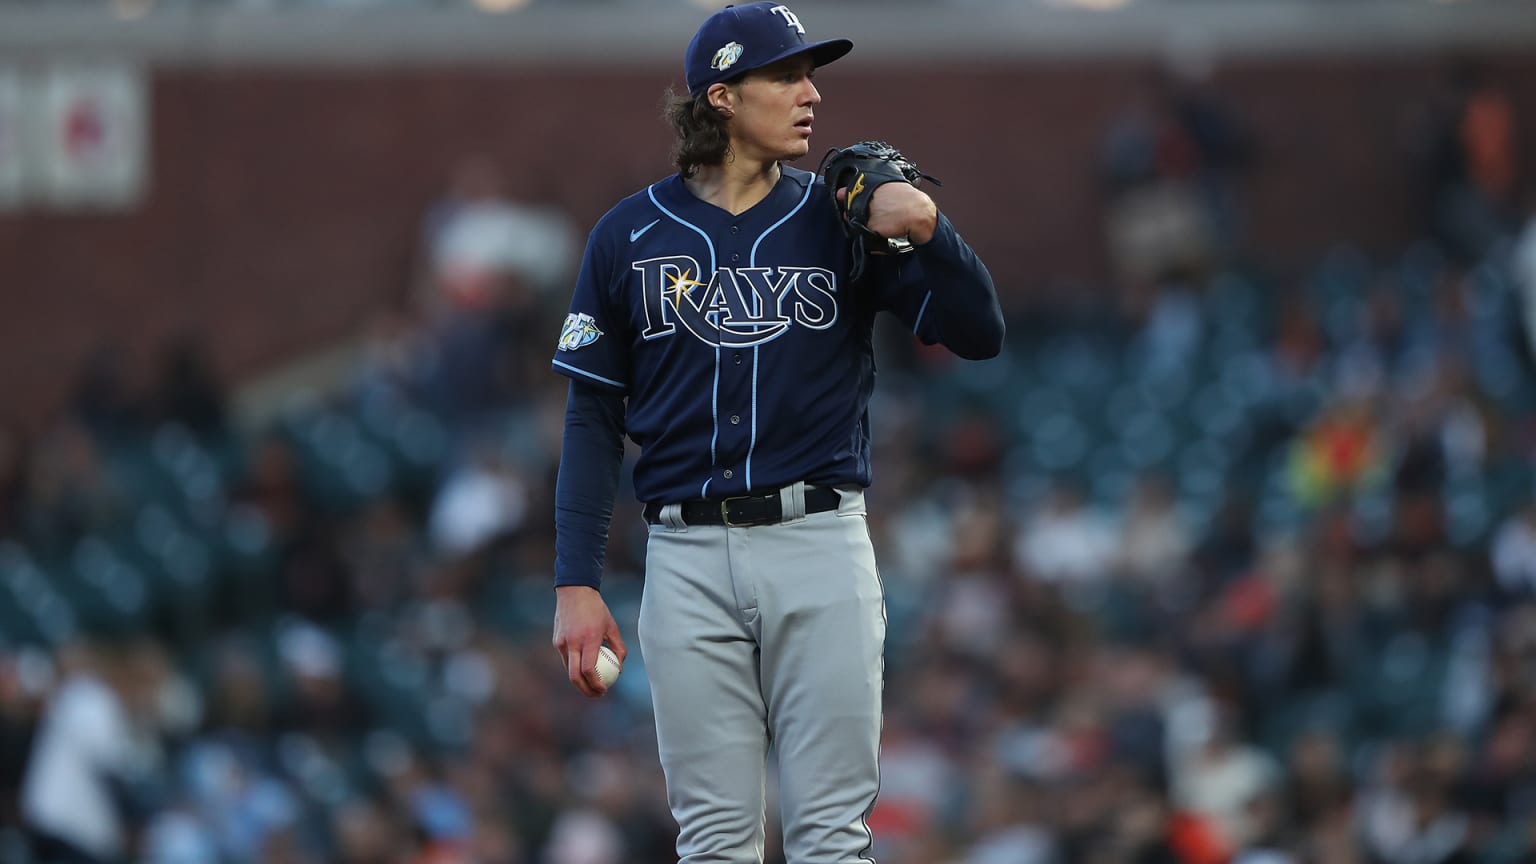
[(743, 511)]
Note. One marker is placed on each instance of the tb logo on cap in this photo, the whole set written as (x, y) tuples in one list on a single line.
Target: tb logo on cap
[(789, 17)]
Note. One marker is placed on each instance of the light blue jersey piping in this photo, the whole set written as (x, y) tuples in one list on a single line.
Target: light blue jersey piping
[(921, 309), (752, 262), (587, 374), (714, 399)]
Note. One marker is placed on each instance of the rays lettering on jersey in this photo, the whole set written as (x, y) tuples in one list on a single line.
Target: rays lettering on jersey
[(739, 306)]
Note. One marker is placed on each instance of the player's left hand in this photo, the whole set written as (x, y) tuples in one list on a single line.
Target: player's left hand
[(901, 210)]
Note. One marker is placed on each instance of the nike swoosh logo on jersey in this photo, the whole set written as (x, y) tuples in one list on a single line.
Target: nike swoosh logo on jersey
[(635, 235)]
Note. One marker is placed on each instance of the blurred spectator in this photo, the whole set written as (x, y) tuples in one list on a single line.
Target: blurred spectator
[(1138, 832), (1155, 543), (484, 248), (234, 807), (175, 837), (1155, 227), (1297, 349), (24, 682), (1408, 817), (240, 695), (1222, 781), (971, 612), (917, 782), (1170, 162), (443, 821), (1488, 139), (395, 352), (96, 762), (314, 581), (187, 392), (584, 837), (483, 500), (1442, 430), (387, 557), (310, 575), (1514, 552), (322, 705), (1472, 162), (1523, 258), (1064, 540), (1171, 326), (1313, 644), (106, 400), (1010, 822), (272, 489), (1268, 843), (70, 492), (490, 262), (15, 471), (1317, 778), (1229, 546), (1340, 454), (1225, 150), (365, 834)]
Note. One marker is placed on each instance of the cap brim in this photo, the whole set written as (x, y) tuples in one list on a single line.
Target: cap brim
[(821, 53), (825, 52)]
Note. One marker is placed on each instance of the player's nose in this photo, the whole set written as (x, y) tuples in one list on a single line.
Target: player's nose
[(812, 96)]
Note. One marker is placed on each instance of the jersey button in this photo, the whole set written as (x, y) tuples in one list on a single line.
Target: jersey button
[(735, 419), (737, 358), (735, 256), (735, 229), (728, 474)]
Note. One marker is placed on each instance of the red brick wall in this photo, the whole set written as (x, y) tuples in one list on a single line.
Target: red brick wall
[(283, 205)]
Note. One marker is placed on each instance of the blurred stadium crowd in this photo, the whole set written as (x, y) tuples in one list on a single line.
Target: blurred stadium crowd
[(1235, 562)]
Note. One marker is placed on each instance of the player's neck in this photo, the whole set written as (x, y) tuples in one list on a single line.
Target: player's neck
[(735, 185)]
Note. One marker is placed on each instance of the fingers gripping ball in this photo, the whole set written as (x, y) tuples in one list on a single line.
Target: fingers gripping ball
[(860, 169), (608, 667)]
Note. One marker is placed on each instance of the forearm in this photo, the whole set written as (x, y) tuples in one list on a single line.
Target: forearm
[(960, 310), (591, 454)]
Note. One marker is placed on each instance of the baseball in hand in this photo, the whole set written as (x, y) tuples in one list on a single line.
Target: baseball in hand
[(607, 666)]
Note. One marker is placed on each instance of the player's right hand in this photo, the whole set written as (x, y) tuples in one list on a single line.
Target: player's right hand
[(897, 210), (582, 624)]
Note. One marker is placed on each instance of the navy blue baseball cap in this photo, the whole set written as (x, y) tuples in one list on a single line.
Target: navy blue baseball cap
[(739, 39)]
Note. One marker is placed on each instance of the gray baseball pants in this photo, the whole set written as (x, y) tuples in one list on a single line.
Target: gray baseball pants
[(768, 634)]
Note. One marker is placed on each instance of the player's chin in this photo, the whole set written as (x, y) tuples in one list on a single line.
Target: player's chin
[(795, 149)]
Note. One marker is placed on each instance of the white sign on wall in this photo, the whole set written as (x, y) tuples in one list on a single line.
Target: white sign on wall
[(13, 161), (92, 128)]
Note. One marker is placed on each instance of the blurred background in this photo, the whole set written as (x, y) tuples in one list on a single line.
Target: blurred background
[(1229, 557)]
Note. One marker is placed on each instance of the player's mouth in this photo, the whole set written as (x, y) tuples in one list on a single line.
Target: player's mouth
[(804, 126)]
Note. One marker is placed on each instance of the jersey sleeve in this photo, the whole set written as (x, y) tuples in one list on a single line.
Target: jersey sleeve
[(943, 293), (591, 453), (594, 340)]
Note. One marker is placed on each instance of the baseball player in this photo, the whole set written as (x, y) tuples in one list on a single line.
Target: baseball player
[(715, 321)]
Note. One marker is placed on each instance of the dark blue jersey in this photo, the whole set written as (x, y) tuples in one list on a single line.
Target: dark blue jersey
[(741, 348)]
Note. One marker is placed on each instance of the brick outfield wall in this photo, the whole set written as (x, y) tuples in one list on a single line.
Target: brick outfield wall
[(284, 204)]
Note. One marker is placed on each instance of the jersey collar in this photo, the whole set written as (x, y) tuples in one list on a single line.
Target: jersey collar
[(674, 195)]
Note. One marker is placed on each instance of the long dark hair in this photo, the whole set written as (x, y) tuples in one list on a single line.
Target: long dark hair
[(702, 136)]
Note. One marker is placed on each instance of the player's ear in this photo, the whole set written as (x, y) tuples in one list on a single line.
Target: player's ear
[(722, 97)]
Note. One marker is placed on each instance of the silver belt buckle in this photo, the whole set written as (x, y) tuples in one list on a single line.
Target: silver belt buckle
[(725, 512)]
